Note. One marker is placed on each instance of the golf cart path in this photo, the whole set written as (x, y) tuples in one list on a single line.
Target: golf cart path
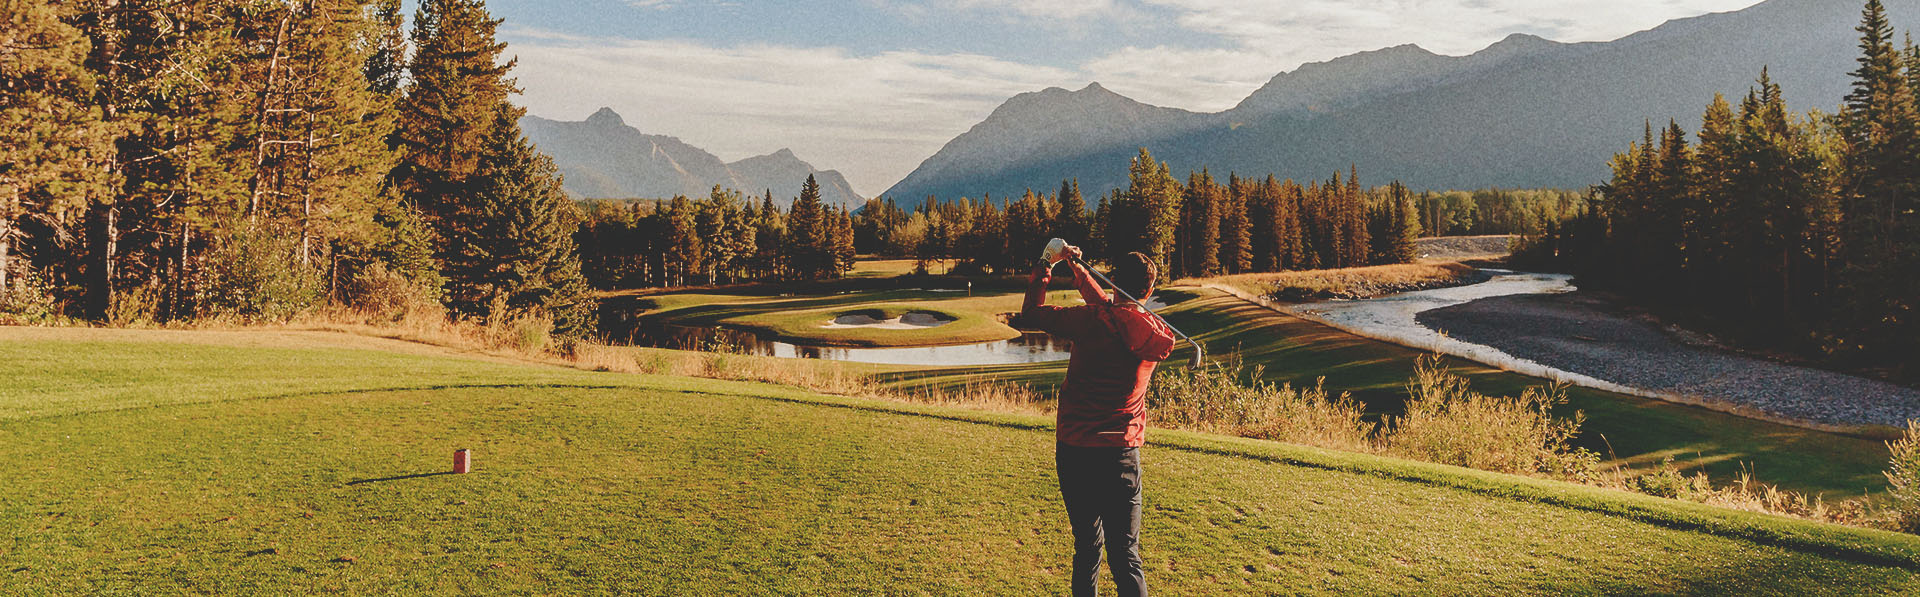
[(1576, 339)]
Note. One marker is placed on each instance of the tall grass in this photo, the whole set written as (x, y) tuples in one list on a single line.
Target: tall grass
[(1215, 399), (1449, 423), (1903, 474)]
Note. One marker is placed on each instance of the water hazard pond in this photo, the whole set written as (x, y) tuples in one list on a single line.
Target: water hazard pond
[(1028, 348)]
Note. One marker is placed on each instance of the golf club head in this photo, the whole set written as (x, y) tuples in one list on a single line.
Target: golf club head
[(1199, 359), (1055, 251)]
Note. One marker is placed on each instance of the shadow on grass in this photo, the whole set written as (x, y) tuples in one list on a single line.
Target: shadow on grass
[(398, 478)]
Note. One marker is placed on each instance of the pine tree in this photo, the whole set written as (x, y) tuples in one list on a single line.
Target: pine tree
[(518, 257), (1072, 222), (1236, 229), (458, 84), (1289, 243), (1353, 221), (386, 63), (840, 243), (1201, 247), (682, 240), (1715, 199), (1156, 198), (51, 137), (711, 219), (808, 234)]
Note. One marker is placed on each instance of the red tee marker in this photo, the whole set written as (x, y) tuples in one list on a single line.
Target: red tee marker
[(462, 461)]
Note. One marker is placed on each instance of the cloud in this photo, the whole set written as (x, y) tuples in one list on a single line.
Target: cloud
[(873, 117), (653, 4), (1045, 9)]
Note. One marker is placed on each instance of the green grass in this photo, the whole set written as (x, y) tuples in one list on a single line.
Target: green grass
[(1627, 430), (314, 468), (800, 319)]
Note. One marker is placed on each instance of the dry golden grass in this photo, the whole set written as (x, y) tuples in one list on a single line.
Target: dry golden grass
[(1347, 283)]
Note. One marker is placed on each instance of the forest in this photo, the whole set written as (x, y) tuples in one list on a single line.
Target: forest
[(1796, 232), (1202, 227), (173, 161)]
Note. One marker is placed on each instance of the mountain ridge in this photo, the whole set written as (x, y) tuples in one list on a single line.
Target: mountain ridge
[(602, 157), (1524, 111)]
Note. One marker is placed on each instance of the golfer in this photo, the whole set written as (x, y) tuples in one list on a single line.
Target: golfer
[(1103, 411)]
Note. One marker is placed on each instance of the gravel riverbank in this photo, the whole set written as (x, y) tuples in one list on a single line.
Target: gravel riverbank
[(1586, 335)]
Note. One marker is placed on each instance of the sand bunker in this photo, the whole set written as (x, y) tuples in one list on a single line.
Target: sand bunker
[(912, 321)]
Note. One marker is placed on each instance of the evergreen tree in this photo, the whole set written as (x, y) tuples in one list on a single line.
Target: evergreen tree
[(1201, 248), (458, 84), (518, 257), (840, 243), (1154, 197), (1882, 123), (51, 137), (386, 63), (683, 244), (808, 235), (1236, 242), (1072, 222)]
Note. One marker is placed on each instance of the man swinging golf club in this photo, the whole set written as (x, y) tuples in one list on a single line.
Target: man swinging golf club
[(1102, 411)]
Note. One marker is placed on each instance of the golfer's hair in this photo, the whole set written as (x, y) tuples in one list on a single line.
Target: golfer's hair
[(1135, 273)]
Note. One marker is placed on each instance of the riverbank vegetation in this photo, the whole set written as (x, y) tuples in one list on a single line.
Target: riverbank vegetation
[(1789, 232), (1348, 283)]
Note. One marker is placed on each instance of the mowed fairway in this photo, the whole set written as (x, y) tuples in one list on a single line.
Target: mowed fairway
[(189, 462)]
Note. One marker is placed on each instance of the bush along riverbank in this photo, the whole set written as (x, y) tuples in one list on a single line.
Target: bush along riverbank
[(1350, 283)]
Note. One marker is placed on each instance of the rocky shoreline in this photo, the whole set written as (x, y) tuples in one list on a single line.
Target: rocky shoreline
[(1583, 334)]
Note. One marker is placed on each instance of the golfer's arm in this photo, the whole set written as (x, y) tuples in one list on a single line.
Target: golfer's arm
[(1037, 289), (1089, 290)]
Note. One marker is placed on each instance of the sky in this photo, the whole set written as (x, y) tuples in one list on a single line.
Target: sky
[(873, 87)]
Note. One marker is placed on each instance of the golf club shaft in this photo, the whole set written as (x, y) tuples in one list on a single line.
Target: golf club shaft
[(1116, 288)]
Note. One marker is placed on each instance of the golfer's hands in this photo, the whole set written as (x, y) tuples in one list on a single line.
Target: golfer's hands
[(1072, 253)]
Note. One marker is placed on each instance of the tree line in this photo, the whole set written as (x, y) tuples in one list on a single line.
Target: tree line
[(254, 158), (1496, 211), (1790, 231), (722, 238), (1203, 227)]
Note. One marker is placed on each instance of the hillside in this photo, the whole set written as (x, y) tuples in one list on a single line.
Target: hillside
[(604, 158), (163, 462), (1524, 112)]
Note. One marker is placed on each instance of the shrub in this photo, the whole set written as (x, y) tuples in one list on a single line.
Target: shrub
[(133, 306), (27, 300), (382, 294), (1449, 423), (1903, 474), (256, 275), (1214, 398)]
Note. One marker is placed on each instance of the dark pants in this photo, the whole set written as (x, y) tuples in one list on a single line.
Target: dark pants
[(1101, 487)]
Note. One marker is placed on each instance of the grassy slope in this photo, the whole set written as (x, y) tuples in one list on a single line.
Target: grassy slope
[(685, 486), (1635, 431)]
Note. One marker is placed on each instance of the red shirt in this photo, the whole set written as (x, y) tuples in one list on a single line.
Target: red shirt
[(1103, 399)]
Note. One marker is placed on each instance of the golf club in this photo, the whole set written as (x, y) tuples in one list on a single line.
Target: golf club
[(1056, 247)]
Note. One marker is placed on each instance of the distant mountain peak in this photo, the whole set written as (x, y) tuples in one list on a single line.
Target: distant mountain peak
[(1518, 43), (601, 157), (1094, 87), (606, 117)]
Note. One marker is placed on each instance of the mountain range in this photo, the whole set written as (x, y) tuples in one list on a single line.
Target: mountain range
[(1524, 112), (603, 158)]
